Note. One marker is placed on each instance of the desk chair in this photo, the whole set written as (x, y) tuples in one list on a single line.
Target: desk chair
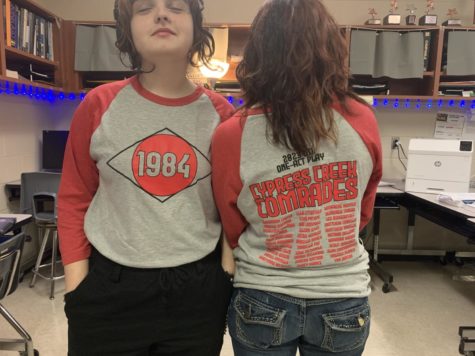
[(10, 254), (38, 197)]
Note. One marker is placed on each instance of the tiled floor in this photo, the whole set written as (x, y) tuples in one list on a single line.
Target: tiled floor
[(420, 317)]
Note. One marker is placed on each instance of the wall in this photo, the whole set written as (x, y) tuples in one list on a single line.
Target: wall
[(407, 124), (21, 124), (243, 11)]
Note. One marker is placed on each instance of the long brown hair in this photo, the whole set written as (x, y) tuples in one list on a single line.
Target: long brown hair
[(201, 51), (294, 66)]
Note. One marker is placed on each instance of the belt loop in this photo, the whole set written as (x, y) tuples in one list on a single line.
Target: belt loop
[(115, 273)]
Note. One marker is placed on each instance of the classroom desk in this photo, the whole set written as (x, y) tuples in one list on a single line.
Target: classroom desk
[(459, 220), (13, 190), (21, 219), (448, 216)]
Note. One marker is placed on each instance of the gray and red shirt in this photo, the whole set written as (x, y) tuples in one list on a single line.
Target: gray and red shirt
[(136, 180), (294, 219)]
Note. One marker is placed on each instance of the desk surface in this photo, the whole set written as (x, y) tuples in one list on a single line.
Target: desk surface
[(389, 190), (433, 199), (20, 218), (15, 183)]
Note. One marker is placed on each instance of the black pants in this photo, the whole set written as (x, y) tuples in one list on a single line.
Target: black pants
[(123, 311)]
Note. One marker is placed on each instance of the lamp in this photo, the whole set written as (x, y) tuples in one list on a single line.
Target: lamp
[(218, 66), (217, 70)]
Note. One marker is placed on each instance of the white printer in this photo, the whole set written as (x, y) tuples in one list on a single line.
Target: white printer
[(436, 166)]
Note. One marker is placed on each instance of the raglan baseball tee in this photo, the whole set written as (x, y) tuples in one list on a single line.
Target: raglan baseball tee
[(294, 219), (136, 180)]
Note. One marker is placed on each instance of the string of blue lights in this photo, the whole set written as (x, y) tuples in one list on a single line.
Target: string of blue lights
[(427, 104), (406, 103), (43, 94), (36, 93)]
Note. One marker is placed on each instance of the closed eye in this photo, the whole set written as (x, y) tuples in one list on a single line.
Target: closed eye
[(177, 6), (176, 9)]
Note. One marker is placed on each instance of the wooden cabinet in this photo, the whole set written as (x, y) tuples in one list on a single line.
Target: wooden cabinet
[(454, 85), (427, 87), (83, 81), (33, 46), (424, 87)]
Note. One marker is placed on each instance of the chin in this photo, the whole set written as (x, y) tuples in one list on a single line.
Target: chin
[(176, 54)]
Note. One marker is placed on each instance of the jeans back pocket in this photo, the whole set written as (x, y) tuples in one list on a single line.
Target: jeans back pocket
[(255, 323), (346, 330)]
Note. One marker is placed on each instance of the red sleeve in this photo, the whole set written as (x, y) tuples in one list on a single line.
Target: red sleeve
[(363, 121), (79, 182), (226, 178), (222, 106), (80, 176)]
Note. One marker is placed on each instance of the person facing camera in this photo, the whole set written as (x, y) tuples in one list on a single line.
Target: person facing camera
[(139, 230)]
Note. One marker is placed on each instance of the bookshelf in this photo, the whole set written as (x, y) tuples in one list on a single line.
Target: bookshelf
[(30, 45)]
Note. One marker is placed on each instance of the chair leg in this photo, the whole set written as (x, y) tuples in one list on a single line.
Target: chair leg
[(28, 342), (53, 262), (40, 257)]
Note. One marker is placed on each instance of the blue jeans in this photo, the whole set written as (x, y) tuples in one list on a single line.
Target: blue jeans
[(263, 323)]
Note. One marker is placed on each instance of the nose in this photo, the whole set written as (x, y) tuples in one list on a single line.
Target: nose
[(161, 13)]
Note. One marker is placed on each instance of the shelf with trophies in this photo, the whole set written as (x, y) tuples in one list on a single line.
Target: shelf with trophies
[(413, 58), (392, 59)]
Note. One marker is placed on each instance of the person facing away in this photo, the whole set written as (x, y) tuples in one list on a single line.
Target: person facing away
[(295, 174), (139, 231)]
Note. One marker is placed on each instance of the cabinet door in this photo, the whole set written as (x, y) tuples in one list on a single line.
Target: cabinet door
[(457, 64), (394, 61)]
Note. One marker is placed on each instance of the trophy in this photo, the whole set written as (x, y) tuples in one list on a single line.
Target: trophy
[(428, 19), (411, 19), (453, 20), (373, 20), (392, 18)]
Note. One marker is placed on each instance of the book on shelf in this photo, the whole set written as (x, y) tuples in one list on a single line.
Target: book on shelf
[(12, 74), (27, 31), (49, 39), (15, 13)]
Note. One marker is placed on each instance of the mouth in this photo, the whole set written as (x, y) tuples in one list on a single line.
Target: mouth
[(163, 32)]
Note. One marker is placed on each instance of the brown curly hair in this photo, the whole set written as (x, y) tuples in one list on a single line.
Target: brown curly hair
[(294, 66), (203, 43)]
